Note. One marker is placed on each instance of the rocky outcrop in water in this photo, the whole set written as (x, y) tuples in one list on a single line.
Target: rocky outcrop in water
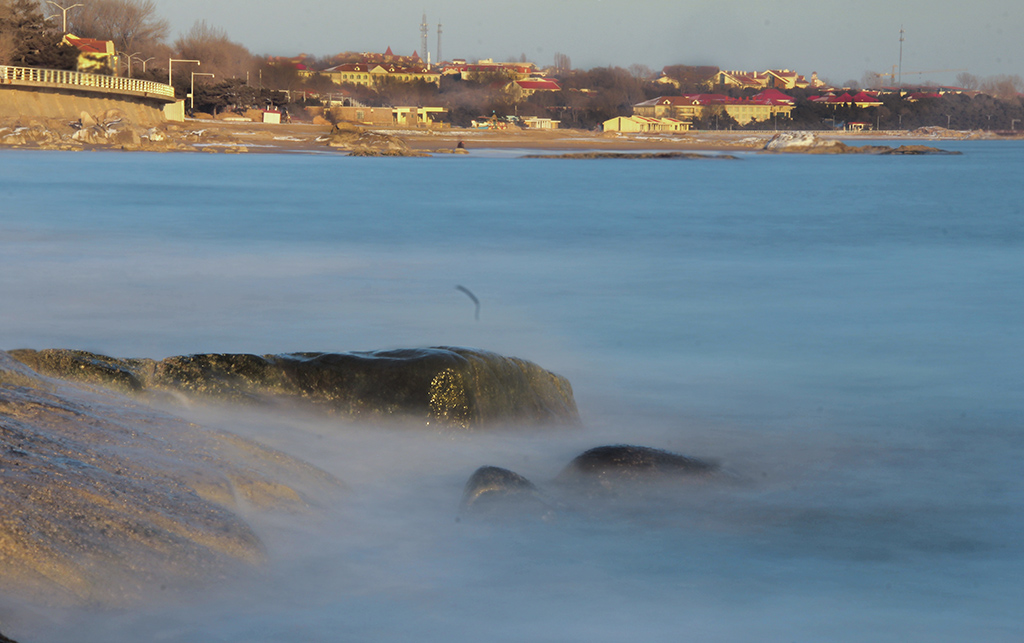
[(103, 501), (448, 386), (601, 472), (609, 468), (811, 143), (496, 491), (360, 142)]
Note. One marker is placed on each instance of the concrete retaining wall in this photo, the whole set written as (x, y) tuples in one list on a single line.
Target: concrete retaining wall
[(19, 102)]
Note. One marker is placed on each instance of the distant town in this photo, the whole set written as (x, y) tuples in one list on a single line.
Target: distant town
[(220, 78)]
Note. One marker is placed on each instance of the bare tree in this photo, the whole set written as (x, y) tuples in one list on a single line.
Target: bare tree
[(643, 72), (967, 81), (133, 25), (1003, 87), (562, 62), (220, 55)]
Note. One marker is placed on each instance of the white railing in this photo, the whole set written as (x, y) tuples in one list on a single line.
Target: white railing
[(33, 75)]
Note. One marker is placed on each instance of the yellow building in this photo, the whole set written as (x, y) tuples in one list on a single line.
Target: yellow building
[(638, 124), (762, 107)]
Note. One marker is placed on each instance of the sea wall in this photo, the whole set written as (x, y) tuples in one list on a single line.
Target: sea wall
[(37, 102)]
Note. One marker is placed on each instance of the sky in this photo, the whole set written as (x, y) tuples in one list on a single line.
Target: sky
[(841, 40)]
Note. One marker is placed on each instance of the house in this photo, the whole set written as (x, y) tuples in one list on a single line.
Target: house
[(637, 124), (679, 107), (94, 56), (482, 68), (774, 78), (523, 89), (762, 107), (536, 122), (419, 117), (861, 99), (786, 79), (372, 70)]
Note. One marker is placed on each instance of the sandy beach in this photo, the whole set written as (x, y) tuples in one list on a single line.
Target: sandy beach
[(229, 136), (295, 137)]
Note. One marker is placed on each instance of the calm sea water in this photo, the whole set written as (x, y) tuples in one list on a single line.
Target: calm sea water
[(842, 333)]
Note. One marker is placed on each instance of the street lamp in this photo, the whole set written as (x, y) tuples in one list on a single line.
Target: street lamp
[(192, 93), (170, 63), (144, 63), (64, 11), (128, 59)]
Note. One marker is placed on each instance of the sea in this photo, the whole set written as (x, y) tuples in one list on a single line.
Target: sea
[(842, 334)]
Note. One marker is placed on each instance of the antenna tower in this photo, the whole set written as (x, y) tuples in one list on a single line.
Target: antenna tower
[(900, 84), (439, 59), (423, 37)]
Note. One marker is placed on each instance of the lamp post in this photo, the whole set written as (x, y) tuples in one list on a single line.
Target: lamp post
[(144, 63), (128, 60), (170, 64), (192, 93), (64, 11)]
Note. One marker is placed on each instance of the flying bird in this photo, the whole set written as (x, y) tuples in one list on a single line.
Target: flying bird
[(473, 297)]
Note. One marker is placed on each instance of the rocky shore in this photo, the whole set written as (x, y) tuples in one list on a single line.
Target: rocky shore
[(112, 130)]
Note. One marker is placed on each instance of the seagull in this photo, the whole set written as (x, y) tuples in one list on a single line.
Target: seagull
[(473, 297)]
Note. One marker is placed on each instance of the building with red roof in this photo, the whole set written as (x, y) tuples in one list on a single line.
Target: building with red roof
[(94, 56)]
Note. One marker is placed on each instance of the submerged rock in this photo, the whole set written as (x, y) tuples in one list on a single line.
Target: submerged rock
[(103, 500), (605, 467), (452, 386), (497, 491)]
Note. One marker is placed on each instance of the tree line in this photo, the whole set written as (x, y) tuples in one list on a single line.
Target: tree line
[(31, 32)]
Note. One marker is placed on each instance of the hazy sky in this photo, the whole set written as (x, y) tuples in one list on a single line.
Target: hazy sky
[(838, 39)]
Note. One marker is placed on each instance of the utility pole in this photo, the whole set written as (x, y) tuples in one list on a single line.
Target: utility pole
[(900, 84)]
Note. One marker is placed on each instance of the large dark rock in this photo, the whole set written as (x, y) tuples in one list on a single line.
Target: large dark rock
[(450, 386), (601, 473), (606, 468), (102, 499), (494, 491)]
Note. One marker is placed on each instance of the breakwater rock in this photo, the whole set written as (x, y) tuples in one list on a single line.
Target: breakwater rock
[(457, 387), (104, 501), (811, 143)]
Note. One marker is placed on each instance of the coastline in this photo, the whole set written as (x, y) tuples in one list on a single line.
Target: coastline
[(209, 135)]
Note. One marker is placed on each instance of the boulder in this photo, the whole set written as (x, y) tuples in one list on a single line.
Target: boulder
[(798, 141), (103, 500), (607, 468), (365, 143), (494, 491), (456, 387)]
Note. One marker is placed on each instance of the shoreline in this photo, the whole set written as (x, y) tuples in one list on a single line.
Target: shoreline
[(206, 135)]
